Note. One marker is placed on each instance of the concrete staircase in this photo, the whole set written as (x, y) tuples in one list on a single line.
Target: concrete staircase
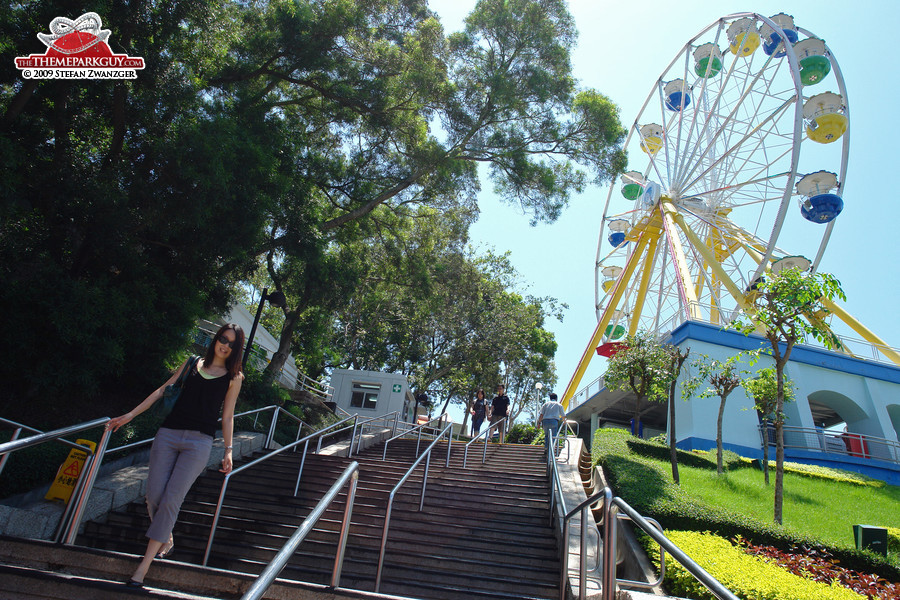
[(484, 532)]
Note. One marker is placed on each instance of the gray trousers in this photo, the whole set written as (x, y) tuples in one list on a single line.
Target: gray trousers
[(177, 458)]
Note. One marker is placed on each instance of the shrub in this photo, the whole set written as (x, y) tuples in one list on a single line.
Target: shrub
[(747, 576), (893, 540), (523, 433)]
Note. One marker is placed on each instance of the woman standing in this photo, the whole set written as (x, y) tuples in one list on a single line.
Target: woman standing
[(181, 448), (478, 411)]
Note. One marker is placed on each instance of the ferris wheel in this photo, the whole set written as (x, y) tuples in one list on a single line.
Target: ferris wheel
[(740, 157)]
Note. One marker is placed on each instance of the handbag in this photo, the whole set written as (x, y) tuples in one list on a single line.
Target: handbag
[(172, 391)]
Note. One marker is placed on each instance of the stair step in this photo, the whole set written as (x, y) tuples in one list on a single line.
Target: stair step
[(485, 531)]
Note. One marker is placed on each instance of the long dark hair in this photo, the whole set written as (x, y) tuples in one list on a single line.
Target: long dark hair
[(234, 362)]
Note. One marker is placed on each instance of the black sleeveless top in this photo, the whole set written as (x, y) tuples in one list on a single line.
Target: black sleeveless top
[(199, 404)]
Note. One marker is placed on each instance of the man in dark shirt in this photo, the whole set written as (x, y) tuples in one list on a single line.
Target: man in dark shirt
[(500, 410)]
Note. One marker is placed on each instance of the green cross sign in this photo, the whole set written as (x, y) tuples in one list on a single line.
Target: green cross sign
[(397, 388)]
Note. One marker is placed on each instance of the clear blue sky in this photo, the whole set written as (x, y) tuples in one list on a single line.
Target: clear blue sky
[(623, 48)]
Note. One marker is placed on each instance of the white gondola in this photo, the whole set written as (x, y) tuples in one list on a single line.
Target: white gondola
[(707, 60), (651, 138), (743, 37), (678, 95)]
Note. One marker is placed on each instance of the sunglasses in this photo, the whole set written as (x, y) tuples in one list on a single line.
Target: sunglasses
[(226, 342)]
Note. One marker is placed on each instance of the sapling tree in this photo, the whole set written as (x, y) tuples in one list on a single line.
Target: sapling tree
[(763, 389), (788, 307), (648, 369), (721, 378), (677, 357), (641, 366)]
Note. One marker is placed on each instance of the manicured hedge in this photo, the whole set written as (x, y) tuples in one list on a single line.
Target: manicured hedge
[(645, 483), (746, 576), (819, 472), (893, 540)]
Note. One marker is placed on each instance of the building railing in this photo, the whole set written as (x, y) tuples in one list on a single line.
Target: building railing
[(350, 475), (586, 393), (851, 346), (816, 439)]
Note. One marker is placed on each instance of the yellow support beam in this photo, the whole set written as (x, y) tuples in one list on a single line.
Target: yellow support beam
[(862, 330), (716, 268), (605, 318), (684, 273), (645, 281)]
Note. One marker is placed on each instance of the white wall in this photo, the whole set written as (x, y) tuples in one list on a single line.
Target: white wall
[(393, 394)]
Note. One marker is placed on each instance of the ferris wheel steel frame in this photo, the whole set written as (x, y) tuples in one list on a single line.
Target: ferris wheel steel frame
[(666, 221)]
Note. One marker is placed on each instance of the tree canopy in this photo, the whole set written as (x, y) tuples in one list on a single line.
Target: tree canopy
[(275, 132)]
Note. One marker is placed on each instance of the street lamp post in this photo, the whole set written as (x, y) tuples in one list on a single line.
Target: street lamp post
[(276, 298)]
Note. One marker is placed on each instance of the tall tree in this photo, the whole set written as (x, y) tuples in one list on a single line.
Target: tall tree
[(788, 308), (678, 358), (392, 113), (128, 209)]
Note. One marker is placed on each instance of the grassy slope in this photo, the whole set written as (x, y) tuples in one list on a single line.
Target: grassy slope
[(816, 510), (819, 508)]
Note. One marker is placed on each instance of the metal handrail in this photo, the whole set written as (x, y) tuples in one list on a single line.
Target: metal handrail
[(474, 439), (360, 424), (71, 518), (699, 573), (274, 568), (420, 429), (426, 456), (229, 475), (822, 440), (277, 410)]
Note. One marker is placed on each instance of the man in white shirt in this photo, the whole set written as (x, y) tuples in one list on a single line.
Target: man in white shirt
[(550, 417)]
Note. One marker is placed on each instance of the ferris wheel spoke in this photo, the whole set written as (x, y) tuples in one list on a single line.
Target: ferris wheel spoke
[(746, 90), (752, 133)]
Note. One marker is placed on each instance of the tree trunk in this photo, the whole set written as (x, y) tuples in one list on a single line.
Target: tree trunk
[(779, 469), (719, 469), (273, 369), (673, 452), (637, 417)]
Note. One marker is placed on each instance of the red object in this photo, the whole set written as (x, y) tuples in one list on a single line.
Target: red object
[(609, 349), (858, 446)]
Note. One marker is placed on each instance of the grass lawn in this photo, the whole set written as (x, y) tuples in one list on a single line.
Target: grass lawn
[(819, 508)]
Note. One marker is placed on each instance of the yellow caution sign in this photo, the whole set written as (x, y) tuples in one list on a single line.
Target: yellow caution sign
[(67, 475)]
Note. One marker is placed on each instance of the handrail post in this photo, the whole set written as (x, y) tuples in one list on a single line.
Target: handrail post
[(387, 524), (582, 558), (300, 471), (84, 492), (271, 436), (449, 443), (353, 437), (3, 458), (215, 522), (345, 531), (564, 560), (424, 481), (608, 580)]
